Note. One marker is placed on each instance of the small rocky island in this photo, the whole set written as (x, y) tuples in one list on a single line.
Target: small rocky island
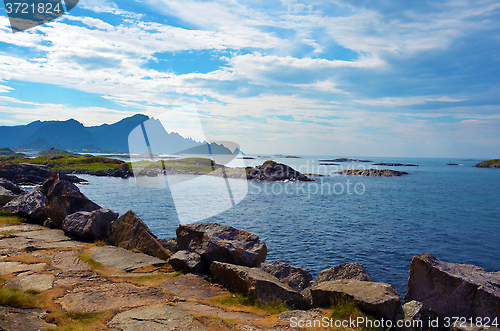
[(273, 171), (495, 163), (373, 172), (391, 164)]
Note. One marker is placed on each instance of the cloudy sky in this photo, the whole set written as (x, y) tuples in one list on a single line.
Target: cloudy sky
[(340, 78)]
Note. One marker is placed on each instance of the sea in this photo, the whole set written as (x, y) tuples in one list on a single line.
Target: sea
[(449, 211)]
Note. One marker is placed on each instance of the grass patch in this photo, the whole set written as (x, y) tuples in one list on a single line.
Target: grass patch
[(86, 257), (488, 162), (14, 297), (7, 218), (346, 310), (245, 303), (77, 321), (149, 280)]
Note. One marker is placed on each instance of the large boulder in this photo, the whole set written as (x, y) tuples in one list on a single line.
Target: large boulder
[(344, 271), (454, 290), (295, 277), (5, 196), (130, 232), (257, 284), (223, 243), (64, 198), (30, 205), (413, 316), (89, 225), (188, 262), (377, 299)]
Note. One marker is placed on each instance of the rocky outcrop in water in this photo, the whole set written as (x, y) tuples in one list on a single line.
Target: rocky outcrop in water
[(373, 173), (495, 163), (390, 164), (454, 290), (27, 174), (216, 242), (123, 172), (273, 171), (257, 284), (343, 271)]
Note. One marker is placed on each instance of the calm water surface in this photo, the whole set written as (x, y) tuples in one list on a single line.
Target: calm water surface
[(451, 212)]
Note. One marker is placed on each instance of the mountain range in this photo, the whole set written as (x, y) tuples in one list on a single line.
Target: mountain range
[(73, 135)]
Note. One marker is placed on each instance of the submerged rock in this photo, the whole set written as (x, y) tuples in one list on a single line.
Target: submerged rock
[(216, 242), (130, 232), (257, 284), (378, 299), (454, 290), (295, 277)]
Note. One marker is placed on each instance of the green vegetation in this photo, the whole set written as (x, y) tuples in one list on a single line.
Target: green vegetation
[(345, 310), (69, 162), (6, 151), (236, 299), (86, 257), (190, 165), (14, 297), (7, 218), (489, 162), (77, 321)]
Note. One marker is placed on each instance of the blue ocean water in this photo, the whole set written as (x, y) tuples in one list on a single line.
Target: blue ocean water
[(451, 212)]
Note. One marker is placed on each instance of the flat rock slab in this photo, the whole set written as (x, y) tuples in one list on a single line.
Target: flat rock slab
[(21, 228), (311, 314), (105, 296), (14, 319), (45, 235), (194, 307), (40, 283), (18, 242), (193, 287), (62, 244), (66, 261), (76, 277), (121, 259), (161, 318), (17, 267)]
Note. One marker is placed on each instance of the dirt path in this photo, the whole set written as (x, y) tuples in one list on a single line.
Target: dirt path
[(67, 284)]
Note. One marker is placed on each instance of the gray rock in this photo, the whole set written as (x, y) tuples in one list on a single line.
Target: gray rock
[(344, 271), (30, 205), (256, 283), (121, 259), (15, 319), (413, 316), (40, 283), (54, 199), (130, 232), (223, 243), (170, 244), (161, 318), (378, 299), (89, 225), (8, 185), (454, 290), (295, 277), (188, 262), (5, 196)]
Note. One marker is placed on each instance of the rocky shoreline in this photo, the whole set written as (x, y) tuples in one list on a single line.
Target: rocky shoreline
[(214, 259)]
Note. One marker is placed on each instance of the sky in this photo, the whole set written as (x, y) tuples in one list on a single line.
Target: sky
[(340, 78)]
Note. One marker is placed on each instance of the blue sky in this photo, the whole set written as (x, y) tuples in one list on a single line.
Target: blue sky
[(340, 78)]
